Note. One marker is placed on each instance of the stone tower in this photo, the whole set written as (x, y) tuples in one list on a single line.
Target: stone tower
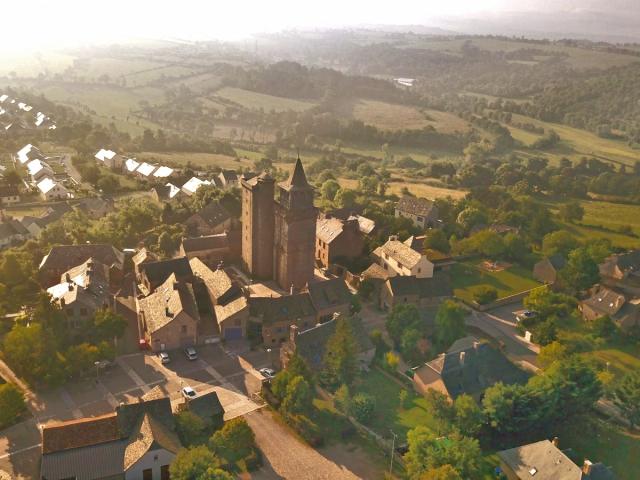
[(257, 226), (295, 231)]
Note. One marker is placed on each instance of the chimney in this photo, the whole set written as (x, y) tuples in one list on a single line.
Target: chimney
[(71, 287), (336, 315), (556, 442), (291, 289), (476, 346), (175, 285), (293, 333), (167, 312), (586, 467), (462, 355), (67, 277), (393, 238)]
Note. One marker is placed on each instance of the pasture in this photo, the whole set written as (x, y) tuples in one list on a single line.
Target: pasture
[(254, 100), (201, 160)]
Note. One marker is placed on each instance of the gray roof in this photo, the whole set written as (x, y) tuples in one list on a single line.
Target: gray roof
[(329, 293), (415, 206), (437, 286), (104, 460), (158, 272), (285, 308), (208, 242), (540, 461)]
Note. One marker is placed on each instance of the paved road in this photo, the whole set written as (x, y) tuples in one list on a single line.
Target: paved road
[(74, 173), (232, 375)]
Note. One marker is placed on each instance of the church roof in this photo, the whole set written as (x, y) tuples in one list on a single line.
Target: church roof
[(298, 179)]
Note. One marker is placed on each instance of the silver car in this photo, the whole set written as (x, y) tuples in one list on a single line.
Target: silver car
[(164, 357), (191, 353)]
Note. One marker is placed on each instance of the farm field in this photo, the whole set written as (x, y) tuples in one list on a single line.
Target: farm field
[(202, 160), (254, 100), (611, 215), (583, 233), (467, 276), (418, 189)]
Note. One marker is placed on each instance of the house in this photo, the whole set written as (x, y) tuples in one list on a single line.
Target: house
[(38, 170), (622, 271), (9, 194), (440, 260), (28, 153), (137, 441), (311, 343), (210, 220), (470, 367), (141, 257), (211, 249), (52, 190), (35, 225), (338, 239), (165, 193), (207, 407), (330, 297), (153, 274), (145, 170), (228, 178), (193, 184), (63, 258), (169, 316), (546, 270), (400, 259), (605, 301), (12, 231), (131, 165), (421, 292), (82, 291), (543, 460), (110, 159), (422, 212), (163, 172), (275, 315), (95, 207)]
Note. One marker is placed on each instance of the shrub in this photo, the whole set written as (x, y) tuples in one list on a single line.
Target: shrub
[(12, 404), (307, 429), (391, 361), (362, 407), (485, 294)]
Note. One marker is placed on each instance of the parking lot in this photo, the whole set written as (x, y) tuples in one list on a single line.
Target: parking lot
[(232, 374)]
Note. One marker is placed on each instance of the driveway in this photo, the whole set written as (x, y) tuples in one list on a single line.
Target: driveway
[(233, 376)]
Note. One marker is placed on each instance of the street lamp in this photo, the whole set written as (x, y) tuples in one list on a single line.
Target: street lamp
[(97, 364), (270, 358), (393, 448)]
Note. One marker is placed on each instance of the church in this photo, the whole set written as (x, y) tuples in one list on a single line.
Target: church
[(279, 230)]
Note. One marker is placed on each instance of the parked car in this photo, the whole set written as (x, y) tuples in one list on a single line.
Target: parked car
[(191, 353), (188, 393), (164, 357), (267, 372), (526, 315)]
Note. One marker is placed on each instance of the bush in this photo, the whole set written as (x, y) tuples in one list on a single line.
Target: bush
[(362, 407), (307, 429), (391, 361), (12, 404), (253, 461), (485, 294)]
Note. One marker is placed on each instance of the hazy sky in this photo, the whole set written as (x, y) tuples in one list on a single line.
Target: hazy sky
[(40, 23)]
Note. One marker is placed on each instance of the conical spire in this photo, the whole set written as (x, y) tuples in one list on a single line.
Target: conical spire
[(298, 177)]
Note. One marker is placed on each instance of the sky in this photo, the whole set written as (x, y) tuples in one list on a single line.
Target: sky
[(40, 24)]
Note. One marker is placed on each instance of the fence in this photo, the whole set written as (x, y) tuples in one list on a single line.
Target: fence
[(516, 297)]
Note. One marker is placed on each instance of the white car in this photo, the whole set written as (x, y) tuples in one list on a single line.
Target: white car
[(267, 372), (188, 393), (164, 357), (191, 353)]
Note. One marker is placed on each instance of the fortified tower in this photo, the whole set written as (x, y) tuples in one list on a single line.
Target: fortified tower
[(258, 225), (295, 231)]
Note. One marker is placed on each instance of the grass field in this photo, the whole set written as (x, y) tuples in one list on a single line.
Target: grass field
[(418, 189), (611, 215), (585, 233), (256, 100), (203, 160), (467, 276)]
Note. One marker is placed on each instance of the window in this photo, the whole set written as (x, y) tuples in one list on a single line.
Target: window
[(419, 270), (147, 474), (164, 472), (183, 329)]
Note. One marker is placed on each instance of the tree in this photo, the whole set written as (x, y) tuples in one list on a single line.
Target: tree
[(109, 324), (468, 416), (604, 327), (436, 239), (329, 189), (509, 408), (449, 323), (362, 407), (234, 441), (409, 345), (166, 244), (12, 404), (197, 463), (547, 302), (81, 358), (340, 357), (11, 177), (560, 242), (191, 428), (441, 407), (551, 353), (571, 212), (427, 452), (391, 361), (342, 399), (445, 472), (298, 397), (627, 397), (403, 396), (402, 317), (581, 271), (484, 294), (108, 183), (345, 198)]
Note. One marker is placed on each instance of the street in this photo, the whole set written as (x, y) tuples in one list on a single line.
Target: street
[(233, 376)]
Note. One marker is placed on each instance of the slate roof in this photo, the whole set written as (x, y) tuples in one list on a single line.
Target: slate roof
[(11, 228), (213, 214), (541, 461), (415, 206), (622, 264), (158, 272), (143, 255), (218, 282), (400, 252), (366, 225), (297, 180), (206, 405), (168, 301), (207, 242), (230, 308), (328, 229), (606, 301), (87, 284), (285, 308), (375, 271), (437, 286), (64, 257), (329, 293), (9, 191)]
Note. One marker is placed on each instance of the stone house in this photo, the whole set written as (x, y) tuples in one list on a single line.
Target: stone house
[(141, 257), (153, 274), (169, 316), (228, 178), (96, 207), (211, 220), (212, 249), (422, 212), (166, 193), (137, 441), (546, 270), (330, 297), (9, 194), (12, 231), (38, 169), (622, 271), (336, 239), (400, 259), (421, 292), (110, 159), (604, 301), (51, 190), (275, 315)]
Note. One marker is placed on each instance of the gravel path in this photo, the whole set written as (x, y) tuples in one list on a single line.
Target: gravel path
[(287, 457)]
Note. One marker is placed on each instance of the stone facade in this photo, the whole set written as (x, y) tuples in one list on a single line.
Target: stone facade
[(258, 226)]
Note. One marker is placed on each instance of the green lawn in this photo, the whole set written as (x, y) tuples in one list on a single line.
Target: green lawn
[(617, 239), (467, 276), (249, 99), (611, 215)]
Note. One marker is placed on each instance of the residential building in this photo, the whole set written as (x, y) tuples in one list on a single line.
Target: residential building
[(82, 291), (295, 228), (228, 178), (12, 231), (400, 259), (137, 441), (469, 367), (258, 224), (543, 460), (141, 257), (110, 159), (311, 343), (95, 207), (330, 297), (421, 292), (546, 270), (166, 193), (38, 170), (145, 170), (422, 212), (193, 184), (275, 315), (338, 239), (28, 153), (604, 301), (52, 190), (35, 225), (169, 316), (163, 172), (153, 274), (207, 407), (210, 220), (9, 194), (63, 258), (622, 271), (211, 249), (131, 165)]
